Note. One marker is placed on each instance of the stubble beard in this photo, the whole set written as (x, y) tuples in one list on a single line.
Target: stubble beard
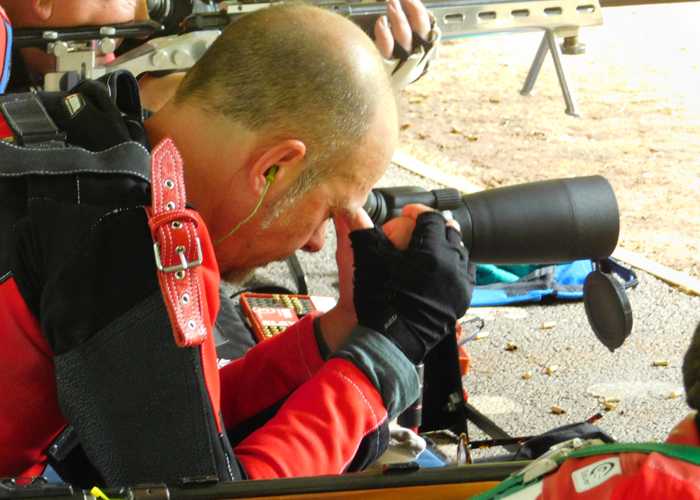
[(238, 276)]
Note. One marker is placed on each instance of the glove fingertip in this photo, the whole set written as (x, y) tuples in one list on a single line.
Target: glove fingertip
[(454, 237), (429, 229), (366, 235)]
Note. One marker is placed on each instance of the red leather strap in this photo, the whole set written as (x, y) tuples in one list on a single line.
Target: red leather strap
[(170, 216), (177, 248)]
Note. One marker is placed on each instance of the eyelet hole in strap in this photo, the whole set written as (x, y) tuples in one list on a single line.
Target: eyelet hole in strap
[(185, 299), (192, 324), (180, 275), (170, 205), (176, 224), (169, 184)]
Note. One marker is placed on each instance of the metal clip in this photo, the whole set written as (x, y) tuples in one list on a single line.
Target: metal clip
[(184, 263), (38, 487), (148, 492), (538, 469)]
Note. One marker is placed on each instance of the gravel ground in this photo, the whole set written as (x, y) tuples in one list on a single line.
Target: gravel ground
[(664, 320)]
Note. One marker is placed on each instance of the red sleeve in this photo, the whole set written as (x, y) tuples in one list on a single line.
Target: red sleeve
[(30, 417), (686, 432), (660, 478), (269, 372), (318, 430)]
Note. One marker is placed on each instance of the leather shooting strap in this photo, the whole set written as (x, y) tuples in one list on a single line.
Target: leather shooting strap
[(177, 248)]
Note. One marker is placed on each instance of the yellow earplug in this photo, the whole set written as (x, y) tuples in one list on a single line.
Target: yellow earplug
[(270, 179)]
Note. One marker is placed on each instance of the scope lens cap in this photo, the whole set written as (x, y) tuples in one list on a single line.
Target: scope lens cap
[(608, 309)]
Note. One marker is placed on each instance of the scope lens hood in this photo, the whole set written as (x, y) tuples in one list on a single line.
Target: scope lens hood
[(607, 308)]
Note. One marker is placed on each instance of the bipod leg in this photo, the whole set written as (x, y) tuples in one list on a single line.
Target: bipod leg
[(536, 66), (562, 74), (549, 43)]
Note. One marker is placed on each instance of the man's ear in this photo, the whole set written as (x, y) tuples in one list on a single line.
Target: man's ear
[(287, 155), (42, 9)]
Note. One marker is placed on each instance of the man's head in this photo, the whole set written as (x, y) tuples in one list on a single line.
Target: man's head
[(293, 86), (293, 71)]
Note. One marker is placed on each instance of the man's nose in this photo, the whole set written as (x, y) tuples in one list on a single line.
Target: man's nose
[(315, 243)]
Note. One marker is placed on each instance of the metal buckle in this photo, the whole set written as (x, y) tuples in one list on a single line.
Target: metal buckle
[(184, 263)]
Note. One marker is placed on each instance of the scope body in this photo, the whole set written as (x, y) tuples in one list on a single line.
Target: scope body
[(544, 222)]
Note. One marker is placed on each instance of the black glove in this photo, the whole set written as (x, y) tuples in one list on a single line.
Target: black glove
[(413, 297)]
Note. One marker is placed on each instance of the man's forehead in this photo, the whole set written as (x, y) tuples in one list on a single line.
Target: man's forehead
[(369, 162), (350, 192)]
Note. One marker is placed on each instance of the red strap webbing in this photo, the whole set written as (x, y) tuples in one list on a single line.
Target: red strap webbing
[(177, 248)]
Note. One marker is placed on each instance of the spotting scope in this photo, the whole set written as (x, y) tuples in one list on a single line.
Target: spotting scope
[(544, 222)]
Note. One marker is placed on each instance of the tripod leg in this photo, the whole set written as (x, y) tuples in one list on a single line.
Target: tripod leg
[(298, 274), (488, 426)]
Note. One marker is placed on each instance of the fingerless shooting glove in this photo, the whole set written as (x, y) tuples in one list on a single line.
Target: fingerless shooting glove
[(413, 297)]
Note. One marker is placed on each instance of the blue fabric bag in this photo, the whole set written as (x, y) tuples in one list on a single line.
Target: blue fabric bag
[(498, 286)]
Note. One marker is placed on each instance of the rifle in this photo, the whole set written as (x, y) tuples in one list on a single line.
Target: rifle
[(451, 483), (74, 48)]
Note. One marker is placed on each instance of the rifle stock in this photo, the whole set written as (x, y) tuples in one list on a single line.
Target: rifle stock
[(454, 482)]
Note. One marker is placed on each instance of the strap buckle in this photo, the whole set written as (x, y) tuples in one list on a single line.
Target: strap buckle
[(31, 123), (184, 263)]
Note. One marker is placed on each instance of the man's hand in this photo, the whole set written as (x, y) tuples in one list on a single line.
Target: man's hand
[(337, 323), (400, 229), (413, 297), (407, 41), (397, 27)]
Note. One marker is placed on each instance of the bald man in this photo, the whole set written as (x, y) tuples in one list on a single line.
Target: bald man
[(288, 120), (404, 37)]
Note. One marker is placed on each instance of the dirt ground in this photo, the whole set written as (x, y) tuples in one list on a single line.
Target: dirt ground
[(638, 87)]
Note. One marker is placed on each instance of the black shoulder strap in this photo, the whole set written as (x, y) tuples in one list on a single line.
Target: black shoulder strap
[(129, 158), (41, 147)]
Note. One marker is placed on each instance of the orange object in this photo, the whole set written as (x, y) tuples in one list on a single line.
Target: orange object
[(464, 359), (269, 314)]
